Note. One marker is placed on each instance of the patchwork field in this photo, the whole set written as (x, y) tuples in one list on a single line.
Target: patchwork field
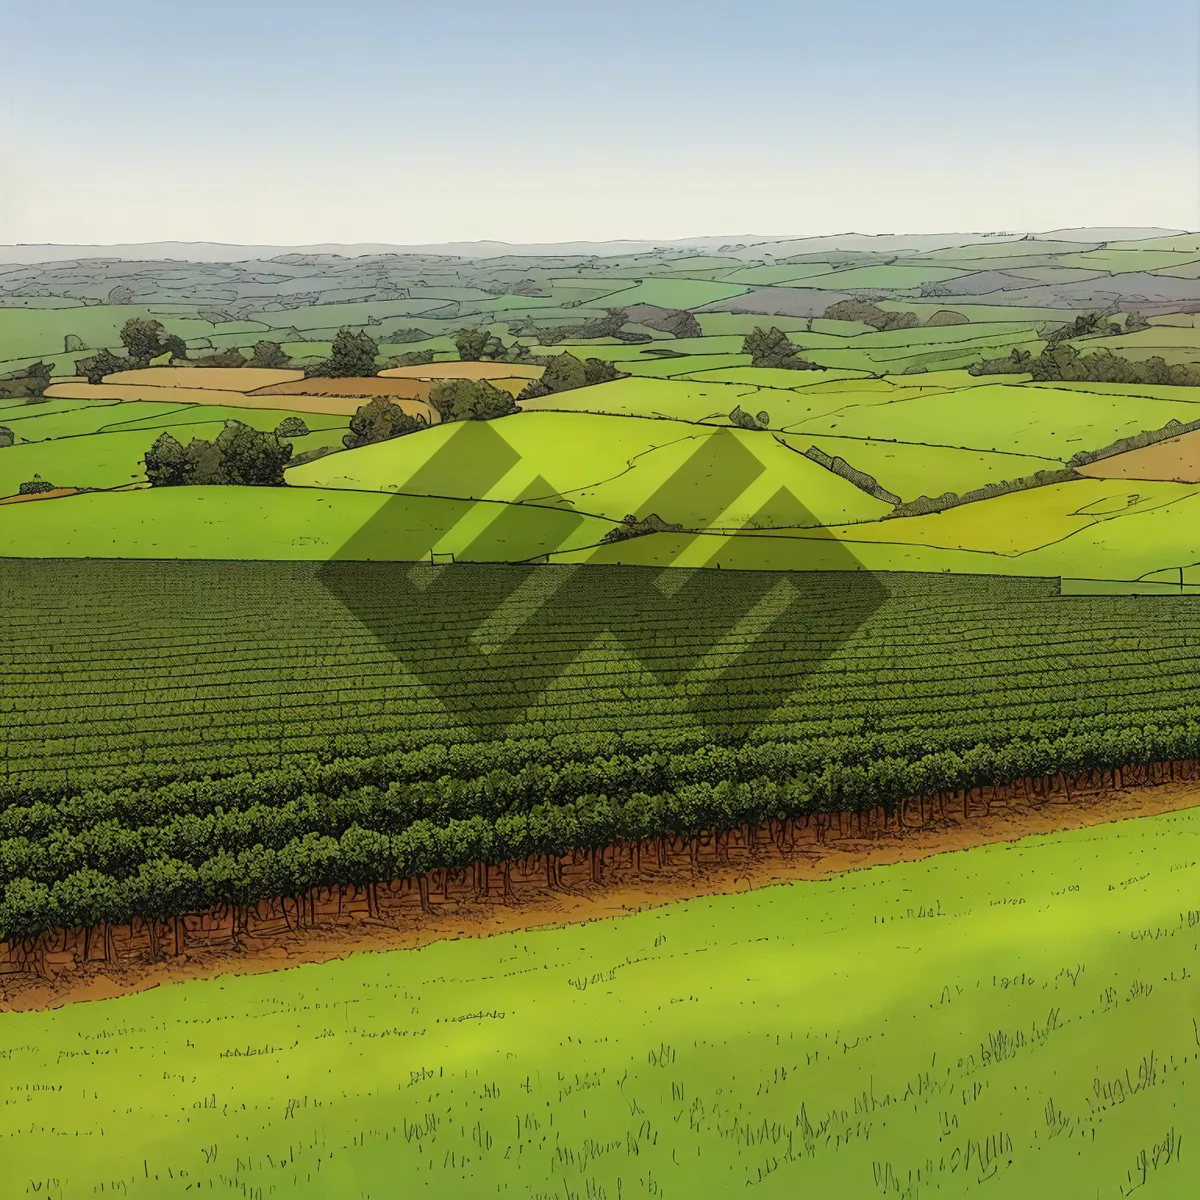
[(783, 534)]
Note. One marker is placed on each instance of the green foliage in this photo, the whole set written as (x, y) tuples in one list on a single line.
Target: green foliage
[(142, 338), (771, 348), (743, 420), (34, 487), (412, 358), (71, 343), (100, 365), (870, 314), (476, 345), (269, 356), (1135, 323), (564, 372), (232, 357), (470, 400), (26, 382), (352, 355), (1061, 361), (379, 421), (175, 346), (240, 455), (7, 437), (1085, 325), (292, 427)]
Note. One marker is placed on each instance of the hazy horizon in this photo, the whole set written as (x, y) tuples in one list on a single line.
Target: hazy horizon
[(263, 123)]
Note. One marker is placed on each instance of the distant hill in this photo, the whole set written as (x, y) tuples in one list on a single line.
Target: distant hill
[(749, 245)]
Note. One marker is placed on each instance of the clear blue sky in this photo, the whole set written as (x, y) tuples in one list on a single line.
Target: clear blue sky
[(543, 119)]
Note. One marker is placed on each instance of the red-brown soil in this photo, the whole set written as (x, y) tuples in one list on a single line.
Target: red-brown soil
[(726, 869)]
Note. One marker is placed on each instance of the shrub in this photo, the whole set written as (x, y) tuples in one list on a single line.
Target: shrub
[(121, 294), (291, 427), (6, 436), (34, 487)]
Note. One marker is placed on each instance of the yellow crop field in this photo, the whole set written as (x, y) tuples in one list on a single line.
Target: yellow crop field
[(219, 379)]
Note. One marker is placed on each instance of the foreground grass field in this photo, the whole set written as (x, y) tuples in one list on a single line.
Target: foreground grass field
[(1009, 1021)]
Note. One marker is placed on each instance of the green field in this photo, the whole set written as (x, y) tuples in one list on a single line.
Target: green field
[(1016, 1020)]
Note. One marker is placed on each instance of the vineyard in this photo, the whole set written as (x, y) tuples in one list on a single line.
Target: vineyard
[(188, 739)]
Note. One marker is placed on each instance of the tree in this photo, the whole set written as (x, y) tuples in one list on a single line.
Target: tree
[(72, 342), (870, 314), (224, 359), (470, 400), (270, 356), (477, 345), (251, 457), (100, 365), (176, 346), (25, 382), (240, 455), (564, 373), (6, 436), (353, 354), (121, 294), (167, 463), (1135, 323), (142, 338), (292, 427), (380, 421), (771, 348), (35, 486)]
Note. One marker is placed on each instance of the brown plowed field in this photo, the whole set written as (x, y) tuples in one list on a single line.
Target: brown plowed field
[(404, 925), (1177, 460)]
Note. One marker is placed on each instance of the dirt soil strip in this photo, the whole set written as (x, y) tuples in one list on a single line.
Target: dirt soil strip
[(626, 894)]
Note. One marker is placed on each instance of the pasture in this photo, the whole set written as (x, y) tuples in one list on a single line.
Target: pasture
[(1015, 1019)]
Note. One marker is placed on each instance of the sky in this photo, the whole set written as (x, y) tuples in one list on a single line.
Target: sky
[(548, 120)]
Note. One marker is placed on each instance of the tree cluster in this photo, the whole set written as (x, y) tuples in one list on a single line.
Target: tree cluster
[(771, 348), (240, 455), (470, 400), (145, 339), (351, 356), (478, 345), (26, 382), (564, 372), (743, 420), (1063, 362), (380, 420), (870, 314)]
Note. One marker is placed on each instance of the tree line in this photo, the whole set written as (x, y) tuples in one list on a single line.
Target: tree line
[(108, 857)]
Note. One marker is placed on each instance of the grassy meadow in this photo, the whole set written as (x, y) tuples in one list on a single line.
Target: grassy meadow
[(1016, 1020)]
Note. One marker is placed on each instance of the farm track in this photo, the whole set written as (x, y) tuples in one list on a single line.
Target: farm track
[(405, 926)]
